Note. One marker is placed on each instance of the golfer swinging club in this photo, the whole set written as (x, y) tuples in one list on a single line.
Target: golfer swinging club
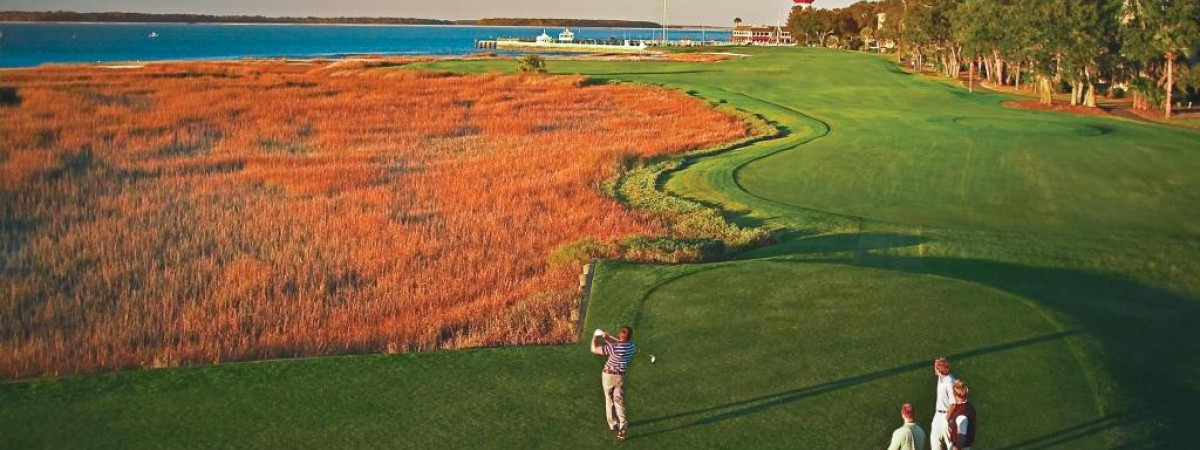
[(619, 351)]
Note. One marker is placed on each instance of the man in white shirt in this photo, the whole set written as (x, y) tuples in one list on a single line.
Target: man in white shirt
[(939, 433)]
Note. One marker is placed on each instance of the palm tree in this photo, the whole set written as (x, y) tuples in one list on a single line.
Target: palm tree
[(1167, 28)]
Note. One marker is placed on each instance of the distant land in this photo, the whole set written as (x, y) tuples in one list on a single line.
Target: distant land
[(71, 16)]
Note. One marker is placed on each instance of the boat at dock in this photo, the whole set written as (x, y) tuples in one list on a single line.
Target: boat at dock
[(566, 42)]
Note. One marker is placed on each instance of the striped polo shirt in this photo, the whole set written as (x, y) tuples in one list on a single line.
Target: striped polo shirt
[(619, 355)]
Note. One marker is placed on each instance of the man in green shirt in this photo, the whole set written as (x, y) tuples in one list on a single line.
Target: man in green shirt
[(910, 436)]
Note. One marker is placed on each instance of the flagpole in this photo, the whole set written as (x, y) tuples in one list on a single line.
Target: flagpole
[(779, 29), (665, 38)]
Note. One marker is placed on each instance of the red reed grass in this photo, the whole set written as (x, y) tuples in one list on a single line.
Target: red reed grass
[(205, 212)]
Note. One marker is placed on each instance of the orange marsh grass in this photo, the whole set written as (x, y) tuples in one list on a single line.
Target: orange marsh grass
[(205, 212)]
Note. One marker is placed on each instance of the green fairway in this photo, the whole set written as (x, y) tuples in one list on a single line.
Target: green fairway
[(958, 160), (838, 351), (1051, 257)]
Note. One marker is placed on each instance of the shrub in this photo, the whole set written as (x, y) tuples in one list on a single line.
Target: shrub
[(671, 250), (9, 97), (532, 64), (580, 252)]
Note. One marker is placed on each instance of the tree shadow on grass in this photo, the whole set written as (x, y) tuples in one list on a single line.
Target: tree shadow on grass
[(1073, 433), (741, 408), (1149, 337), (804, 242)]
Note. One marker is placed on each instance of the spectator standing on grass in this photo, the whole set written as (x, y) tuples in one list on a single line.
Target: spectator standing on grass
[(909, 436), (619, 351), (939, 429), (961, 419)]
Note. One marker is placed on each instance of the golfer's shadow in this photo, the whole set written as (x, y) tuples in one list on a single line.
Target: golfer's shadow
[(759, 404)]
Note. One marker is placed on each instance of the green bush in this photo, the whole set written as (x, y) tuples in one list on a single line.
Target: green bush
[(9, 97), (1149, 90), (670, 250), (581, 252), (532, 64)]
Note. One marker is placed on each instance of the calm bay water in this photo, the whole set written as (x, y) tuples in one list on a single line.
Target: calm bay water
[(31, 44)]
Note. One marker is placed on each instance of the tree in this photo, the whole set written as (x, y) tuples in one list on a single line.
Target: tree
[(891, 28), (929, 32), (1041, 20), (1145, 44), (976, 37), (804, 22), (1158, 31), (868, 36), (1090, 26)]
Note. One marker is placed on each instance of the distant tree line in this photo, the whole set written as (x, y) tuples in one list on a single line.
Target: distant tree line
[(70, 16), (1149, 48)]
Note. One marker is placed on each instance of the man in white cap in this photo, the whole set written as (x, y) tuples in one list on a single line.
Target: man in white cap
[(619, 351)]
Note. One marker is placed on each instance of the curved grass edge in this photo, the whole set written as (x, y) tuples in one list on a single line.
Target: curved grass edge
[(696, 231), (642, 184)]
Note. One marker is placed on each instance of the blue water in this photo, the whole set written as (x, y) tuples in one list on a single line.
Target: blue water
[(31, 44)]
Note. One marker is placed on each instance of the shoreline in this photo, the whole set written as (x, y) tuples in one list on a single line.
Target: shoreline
[(234, 59), (559, 56), (289, 24)]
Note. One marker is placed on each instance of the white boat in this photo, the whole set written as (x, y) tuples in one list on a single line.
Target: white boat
[(153, 34)]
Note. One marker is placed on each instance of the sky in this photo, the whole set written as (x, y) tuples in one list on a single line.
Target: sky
[(682, 12)]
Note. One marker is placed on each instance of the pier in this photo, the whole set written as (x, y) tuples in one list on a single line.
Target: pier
[(566, 42)]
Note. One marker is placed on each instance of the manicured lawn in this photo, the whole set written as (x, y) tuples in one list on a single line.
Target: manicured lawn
[(1052, 257), (744, 360)]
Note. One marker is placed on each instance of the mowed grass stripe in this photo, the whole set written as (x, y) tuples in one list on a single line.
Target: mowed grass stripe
[(1024, 170)]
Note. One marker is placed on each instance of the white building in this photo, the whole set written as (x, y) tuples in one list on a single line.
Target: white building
[(760, 34)]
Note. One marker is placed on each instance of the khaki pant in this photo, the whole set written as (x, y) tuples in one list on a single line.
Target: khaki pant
[(614, 400), (939, 433)]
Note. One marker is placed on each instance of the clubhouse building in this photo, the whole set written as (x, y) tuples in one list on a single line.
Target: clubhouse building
[(745, 34)]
